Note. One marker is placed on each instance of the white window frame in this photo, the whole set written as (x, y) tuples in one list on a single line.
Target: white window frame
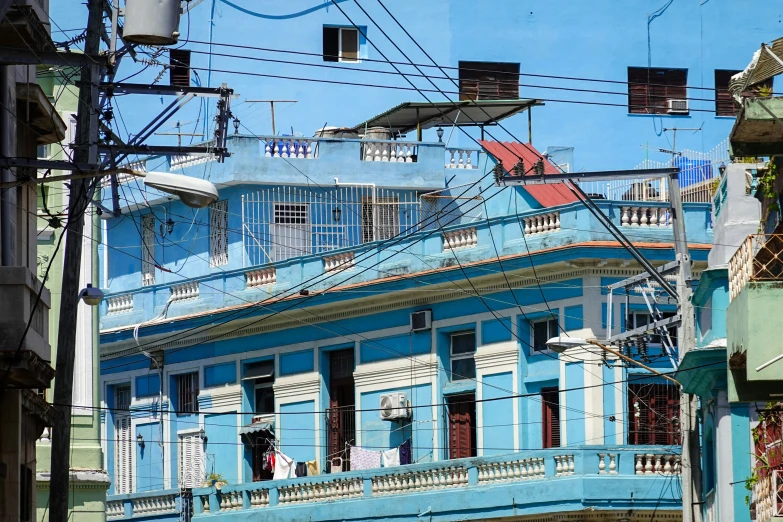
[(124, 442), (148, 250), (461, 356), (358, 46), (533, 323), (218, 226), (195, 375), (197, 467)]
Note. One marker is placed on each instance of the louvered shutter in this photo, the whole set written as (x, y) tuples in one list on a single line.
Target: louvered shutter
[(191, 461), (461, 428), (218, 233), (550, 398), (123, 466), (724, 102)]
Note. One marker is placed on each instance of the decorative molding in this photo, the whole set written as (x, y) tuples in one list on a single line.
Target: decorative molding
[(302, 385), (501, 355), (261, 277), (458, 239), (339, 262), (119, 303), (223, 397), (398, 370)]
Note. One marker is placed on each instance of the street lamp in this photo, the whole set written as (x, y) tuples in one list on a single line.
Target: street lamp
[(439, 132), (194, 192), (91, 296), (561, 344)]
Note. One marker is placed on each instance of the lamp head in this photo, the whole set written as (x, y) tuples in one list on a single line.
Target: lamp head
[(722, 169), (194, 192), (91, 296), (561, 344), (439, 132)]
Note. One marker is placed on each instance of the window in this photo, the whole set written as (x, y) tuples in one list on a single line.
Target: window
[(290, 232), (462, 426), (550, 425), (148, 250), (653, 413), (191, 460), (187, 393), (341, 44), (640, 319), (385, 217), (650, 89), (463, 347), (179, 72), (488, 81), (263, 376), (123, 450), (25, 494), (543, 331), (218, 233), (724, 102)]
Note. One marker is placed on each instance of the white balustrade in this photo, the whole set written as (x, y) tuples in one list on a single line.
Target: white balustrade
[(394, 151), (462, 238), (259, 498), (155, 505), (523, 469), (321, 491), (542, 223), (645, 217), (657, 464), (231, 501), (294, 148), (115, 508), (611, 467), (264, 276), (564, 465), (417, 481), (181, 161), (185, 291), (120, 303), (461, 159), (342, 261)]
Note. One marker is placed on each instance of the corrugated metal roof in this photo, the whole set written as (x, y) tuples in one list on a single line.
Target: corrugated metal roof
[(509, 153)]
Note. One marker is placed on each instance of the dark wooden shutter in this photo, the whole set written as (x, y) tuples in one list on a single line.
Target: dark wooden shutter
[(179, 72), (550, 399), (724, 102), (488, 81), (649, 89), (331, 44), (462, 428), (658, 414)]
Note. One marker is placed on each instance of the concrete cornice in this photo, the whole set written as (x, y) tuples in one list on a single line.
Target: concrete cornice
[(299, 385), (423, 369)]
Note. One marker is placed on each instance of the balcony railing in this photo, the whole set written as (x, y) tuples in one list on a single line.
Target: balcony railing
[(759, 258), (599, 463), (768, 496), (153, 504), (462, 158)]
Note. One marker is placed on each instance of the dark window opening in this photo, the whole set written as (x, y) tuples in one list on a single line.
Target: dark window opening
[(341, 415), (653, 414), (488, 81), (25, 494), (651, 89), (640, 319), (187, 393), (542, 332), (463, 348), (550, 422), (179, 72), (261, 449), (340, 44), (263, 376), (724, 102), (462, 426)]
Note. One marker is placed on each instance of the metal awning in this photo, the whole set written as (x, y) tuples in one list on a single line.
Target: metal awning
[(766, 63), (33, 107), (407, 116), (268, 426), (259, 370)]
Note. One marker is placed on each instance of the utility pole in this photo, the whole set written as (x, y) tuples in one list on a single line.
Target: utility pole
[(86, 137), (272, 108), (178, 134)]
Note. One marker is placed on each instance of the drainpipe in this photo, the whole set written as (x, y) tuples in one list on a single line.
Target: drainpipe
[(6, 139)]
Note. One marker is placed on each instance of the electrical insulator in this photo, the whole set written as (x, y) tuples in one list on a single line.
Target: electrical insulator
[(519, 168)]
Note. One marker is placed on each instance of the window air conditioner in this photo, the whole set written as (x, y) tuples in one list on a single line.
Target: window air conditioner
[(394, 406), (421, 320), (677, 106)]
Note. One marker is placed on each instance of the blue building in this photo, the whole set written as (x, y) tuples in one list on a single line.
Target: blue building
[(348, 296)]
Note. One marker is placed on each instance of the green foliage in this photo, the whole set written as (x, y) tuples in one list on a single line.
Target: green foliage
[(216, 477)]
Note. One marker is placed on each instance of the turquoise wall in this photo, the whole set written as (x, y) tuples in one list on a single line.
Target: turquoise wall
[(296, 432), (498, 415), (149, 459), (221, 449)]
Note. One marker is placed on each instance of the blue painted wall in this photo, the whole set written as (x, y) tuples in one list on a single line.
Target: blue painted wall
[(575, 404), (297, 362), (218, 374), (497, 415), (147, 385), (149, 459), (296, 432), (222, 446), (496, 330)]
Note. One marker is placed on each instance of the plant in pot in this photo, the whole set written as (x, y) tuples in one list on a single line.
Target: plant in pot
[(216, 479)]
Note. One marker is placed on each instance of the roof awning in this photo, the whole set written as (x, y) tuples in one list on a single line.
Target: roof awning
[(405, 117), (766, 63), (43, 119), (259, 370), (268, 426)]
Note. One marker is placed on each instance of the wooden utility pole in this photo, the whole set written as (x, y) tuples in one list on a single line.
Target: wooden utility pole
[(272, 108), (86, 131)]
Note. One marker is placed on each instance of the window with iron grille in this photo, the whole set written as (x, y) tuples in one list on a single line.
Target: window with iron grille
[(191, 460), (653, 413), (550, 417), (218, 233), (147, 250), (488, 81), (187, 393), (341, 44), (123, 451), (382, 223), (463, 349), (650, 89), (542, 331)]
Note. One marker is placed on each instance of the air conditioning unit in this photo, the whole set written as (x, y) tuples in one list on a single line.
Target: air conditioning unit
[(677, 107), (421, 320), (394, 406)]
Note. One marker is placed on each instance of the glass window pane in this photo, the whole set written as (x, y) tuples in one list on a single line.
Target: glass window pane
[(540, 335), (463, 369), (265, 400), (463, 343), (554, 328)]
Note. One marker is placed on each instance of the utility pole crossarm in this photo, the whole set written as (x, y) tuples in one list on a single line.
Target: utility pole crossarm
[(607, 175)]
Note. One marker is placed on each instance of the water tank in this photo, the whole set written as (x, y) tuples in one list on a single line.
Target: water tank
[(151, 22), (378, 133), (325, 132)]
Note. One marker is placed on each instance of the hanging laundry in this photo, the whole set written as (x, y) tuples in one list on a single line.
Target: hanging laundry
[(283, 466), (312, 468), (405, 453), (271, 461), (364, 459), (391, 457), (301, 469)]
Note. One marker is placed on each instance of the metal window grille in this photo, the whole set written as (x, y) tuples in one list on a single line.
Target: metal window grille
[(653, 413), (381, 219), (341, 431), (123, 451), (218, 233), (187, 393), (191, 460), (458, 205), (148, 250)]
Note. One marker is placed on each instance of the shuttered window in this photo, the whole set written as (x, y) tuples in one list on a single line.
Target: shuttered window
[(179, 70), (341, 44), (191, 460), (724, 102), (550, 426), (649, 89), (123, 449), (462, 426), (147, 250), (653, 413), (218, 233), (488, 81), (187, 393)]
